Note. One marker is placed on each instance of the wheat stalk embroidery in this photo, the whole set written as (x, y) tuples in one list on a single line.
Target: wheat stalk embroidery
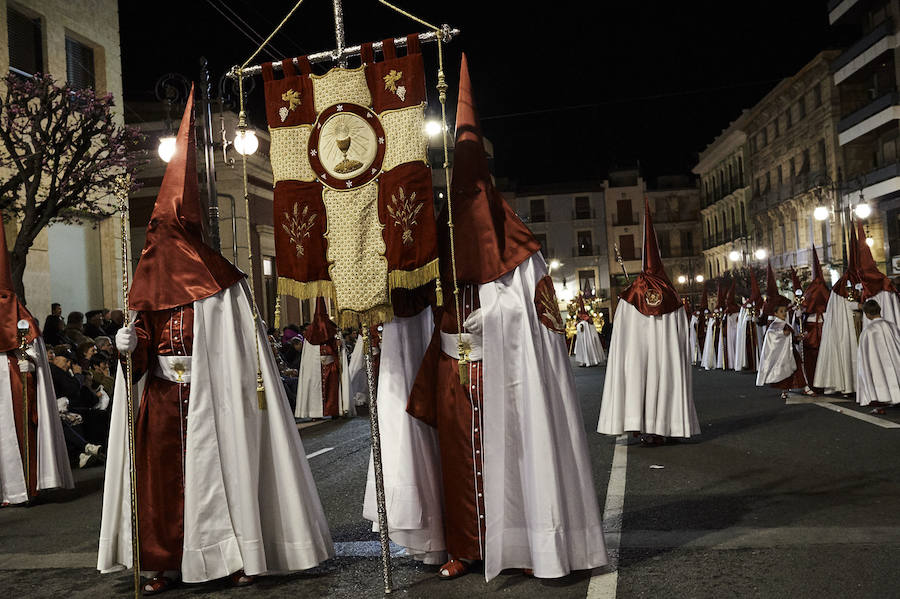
[(404, 212), (298, 226)]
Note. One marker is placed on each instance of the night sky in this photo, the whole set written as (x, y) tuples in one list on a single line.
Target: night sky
[(566, 90)]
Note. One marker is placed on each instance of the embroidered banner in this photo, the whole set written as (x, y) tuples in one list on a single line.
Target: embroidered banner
[(354, 212)]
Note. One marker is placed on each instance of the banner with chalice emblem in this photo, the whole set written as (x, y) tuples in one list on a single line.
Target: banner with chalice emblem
[(354, 214)]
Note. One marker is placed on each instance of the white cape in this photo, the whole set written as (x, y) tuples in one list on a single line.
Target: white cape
[(694, 349), (249, 499), (708, 360), (410, 455), (359, 383), (836, 364), (890, 307), (776, 362), (309, 384), (540, 502), (741, 356), (53, 469), (588, 350), (878, 377), (727, 342), (648, 378)]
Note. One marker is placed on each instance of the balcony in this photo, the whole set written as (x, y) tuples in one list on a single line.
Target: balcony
[(539, 217), (871, 46), (877, 183), (584, 214), (627, 220), (586, 251), (838, 8), (875, 114)]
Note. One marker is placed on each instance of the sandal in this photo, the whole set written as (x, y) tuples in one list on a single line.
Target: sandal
[(878, 411), (453, 569), (239, 579), (157, 585), (784, 395)]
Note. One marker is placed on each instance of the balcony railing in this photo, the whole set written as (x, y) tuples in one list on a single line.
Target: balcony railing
[(871, 109), (586, 250), (584, 214), (539, 217), (627, 220), (870, 39)]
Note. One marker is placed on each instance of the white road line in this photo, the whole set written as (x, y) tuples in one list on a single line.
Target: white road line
[(859, 415), (320, 452), (796, 399), (604, 581)]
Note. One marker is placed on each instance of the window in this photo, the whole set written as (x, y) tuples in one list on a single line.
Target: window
[(789, 121), (796, 235), (741, 170), (582, 207), (79, 64), (626, 247), (585, 243), (26, 55), (823, 156), (817, 95), (801, 107), (687, 242), (623, 213), (733, 222), (538, 215), (743, 219), (777, 128), (780, 176), (793, 167), (768, 181), (765, 136), (664, 243), (805, 167), (542, 239)]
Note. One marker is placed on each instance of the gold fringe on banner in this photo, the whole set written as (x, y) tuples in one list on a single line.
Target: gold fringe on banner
[(308, 290), (411, 279), (378, 315)]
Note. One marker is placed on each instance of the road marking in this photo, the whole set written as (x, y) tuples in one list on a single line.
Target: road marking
[(605, 580), (320, 452), (859, 415), (796, 399)]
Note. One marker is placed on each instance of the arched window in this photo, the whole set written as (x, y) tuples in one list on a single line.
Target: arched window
[(733, 222), (743, 220)]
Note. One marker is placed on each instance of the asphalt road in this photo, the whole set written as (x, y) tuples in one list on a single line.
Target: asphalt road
[(773, 500)]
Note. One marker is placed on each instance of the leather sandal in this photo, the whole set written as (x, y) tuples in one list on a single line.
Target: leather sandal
[(453, 569), (239, 579), (157, 585)]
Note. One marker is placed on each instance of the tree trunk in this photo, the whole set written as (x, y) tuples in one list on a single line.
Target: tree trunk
[(17, 262)]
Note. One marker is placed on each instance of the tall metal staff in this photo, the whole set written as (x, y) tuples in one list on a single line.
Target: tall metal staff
[(123, 184), (23, 326)]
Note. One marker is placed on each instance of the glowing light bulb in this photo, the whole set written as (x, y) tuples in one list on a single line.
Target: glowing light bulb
[(820, 213), (433, 128), (863, 210), (734, 255), (870, 241), (246, 142), (699, 278), (760, 254), (682, 279), (166, 148)]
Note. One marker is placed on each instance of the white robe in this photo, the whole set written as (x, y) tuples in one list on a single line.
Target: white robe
[(53, 469), (588, 350), (741, 357), (410, 456), (359, 383), (836, 363), (708, 359), (309, 384), (725, 361), (249, 498), (890, 307), (541, 508), (776, 362), (648, 377), (878, 375)]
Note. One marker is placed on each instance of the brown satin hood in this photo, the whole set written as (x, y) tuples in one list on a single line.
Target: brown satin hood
[(321, 330), (795, 280), (731, 306), (11, 309), (874, 281), (177, 267), (815, 298), (773, 298), (756, 298), (652, 293), (704, 300), (490, 239)]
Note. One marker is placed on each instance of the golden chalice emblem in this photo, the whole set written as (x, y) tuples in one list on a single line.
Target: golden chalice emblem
[(343, 140), (179, 369), (653, 297)]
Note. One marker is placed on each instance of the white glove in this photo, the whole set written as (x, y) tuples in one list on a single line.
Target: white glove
[(73, 419), (62, 404), (126, 339), (25, 366)]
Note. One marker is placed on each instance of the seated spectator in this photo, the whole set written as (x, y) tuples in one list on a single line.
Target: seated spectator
[(85, 427), (116, 322), (83, 355), (102, 375), (94, 326), (75, 328)]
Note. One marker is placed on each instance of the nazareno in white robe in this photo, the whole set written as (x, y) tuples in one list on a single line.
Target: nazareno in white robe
[(708, 358), (776, 362), (890, 307), (53, 469), (694, 349), (727, 341), (878, 374), (836, 363), (250, 501), (309, 384), (741, 358), (359, 384), (648, 384), (410, 456), (588, 349)]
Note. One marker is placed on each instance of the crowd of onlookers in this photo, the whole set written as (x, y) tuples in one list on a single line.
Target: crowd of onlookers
[(83, 362)]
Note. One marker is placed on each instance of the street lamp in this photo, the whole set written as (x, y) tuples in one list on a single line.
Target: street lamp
[(734, 255), (870, 241), (682, 279), (863, 211), (821, 213), (699, 278), (760, 254), (433, 128), (166, 147), (245, 141)]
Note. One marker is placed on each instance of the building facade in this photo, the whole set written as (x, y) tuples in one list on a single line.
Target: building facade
[(569, 222), (724, 197), (795, 167), (77, 41), (866, 76)]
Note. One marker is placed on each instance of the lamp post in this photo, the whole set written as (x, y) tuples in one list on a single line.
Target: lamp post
[(828, 193)]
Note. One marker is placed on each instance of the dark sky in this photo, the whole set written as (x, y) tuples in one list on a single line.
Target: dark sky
[(566, 90)]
